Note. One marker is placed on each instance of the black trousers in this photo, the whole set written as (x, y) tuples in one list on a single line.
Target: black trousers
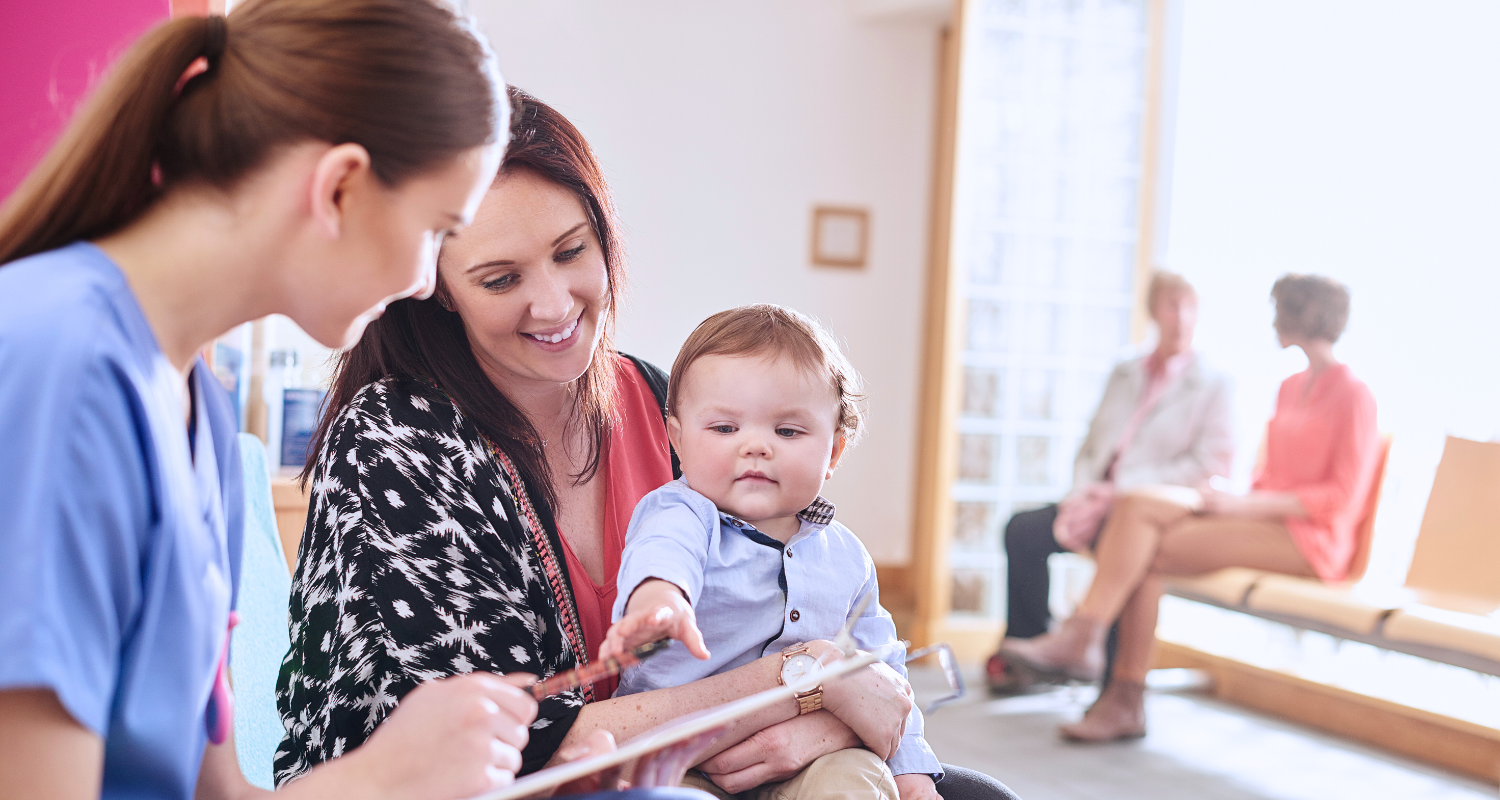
[(966, 784), (1028, 543)]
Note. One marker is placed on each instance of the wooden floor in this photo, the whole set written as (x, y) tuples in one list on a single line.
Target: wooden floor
[(1197, 749)]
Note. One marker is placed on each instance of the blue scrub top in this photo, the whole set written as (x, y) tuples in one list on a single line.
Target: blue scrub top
[(119, 533)]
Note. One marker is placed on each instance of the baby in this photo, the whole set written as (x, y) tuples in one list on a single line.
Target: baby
[(762, 405)]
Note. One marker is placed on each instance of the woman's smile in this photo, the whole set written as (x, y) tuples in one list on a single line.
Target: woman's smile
[(559, 338)]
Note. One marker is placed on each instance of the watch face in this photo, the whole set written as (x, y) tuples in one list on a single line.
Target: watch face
[(796, 667)]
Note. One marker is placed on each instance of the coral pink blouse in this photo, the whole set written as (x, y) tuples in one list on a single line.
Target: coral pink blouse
[(639, 461), (1322, 445)]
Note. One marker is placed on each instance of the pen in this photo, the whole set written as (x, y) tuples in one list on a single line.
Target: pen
[(588, 673)]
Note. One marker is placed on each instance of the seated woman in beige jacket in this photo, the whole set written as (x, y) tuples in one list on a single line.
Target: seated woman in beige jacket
[(1164, 420)]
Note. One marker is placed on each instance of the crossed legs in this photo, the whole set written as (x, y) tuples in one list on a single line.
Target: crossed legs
[(1145, 539), (1192, 546)]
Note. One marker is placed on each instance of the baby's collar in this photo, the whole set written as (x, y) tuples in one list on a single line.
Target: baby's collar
[(819, 512)]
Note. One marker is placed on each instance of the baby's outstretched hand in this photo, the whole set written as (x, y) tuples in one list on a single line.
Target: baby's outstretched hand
[(656, 609)]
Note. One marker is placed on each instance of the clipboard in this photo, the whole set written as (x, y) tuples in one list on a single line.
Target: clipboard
[(669, 749)]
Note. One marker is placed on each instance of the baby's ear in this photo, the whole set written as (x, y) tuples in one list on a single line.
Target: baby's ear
[(839, 442), (674, 432)]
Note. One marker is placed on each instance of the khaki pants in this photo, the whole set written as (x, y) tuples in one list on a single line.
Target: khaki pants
[(853, 774)]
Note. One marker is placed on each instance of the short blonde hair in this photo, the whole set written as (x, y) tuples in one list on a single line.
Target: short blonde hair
[(1311, 306), (1163, 282), (766, 329)]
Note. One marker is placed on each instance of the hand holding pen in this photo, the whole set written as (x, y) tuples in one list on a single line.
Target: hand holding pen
[(598, 670)]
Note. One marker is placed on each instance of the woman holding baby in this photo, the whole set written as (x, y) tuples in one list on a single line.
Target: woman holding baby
[(482, 455)]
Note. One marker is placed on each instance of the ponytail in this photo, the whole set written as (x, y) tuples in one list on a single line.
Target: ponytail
[(409, 81), (98, 174)]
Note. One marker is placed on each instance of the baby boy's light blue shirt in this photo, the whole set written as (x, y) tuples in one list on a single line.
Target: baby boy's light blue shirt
[(754, 596)]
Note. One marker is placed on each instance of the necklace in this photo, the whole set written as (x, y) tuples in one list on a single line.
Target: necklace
[(547, 439), (562, 417)]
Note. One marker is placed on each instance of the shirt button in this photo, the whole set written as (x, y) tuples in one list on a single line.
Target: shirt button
[(788, 554), (796, 615)]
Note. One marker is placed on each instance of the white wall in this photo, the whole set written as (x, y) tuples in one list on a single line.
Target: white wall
[(1358, 139), (719, 126)]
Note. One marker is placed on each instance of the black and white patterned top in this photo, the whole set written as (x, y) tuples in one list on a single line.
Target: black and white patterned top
[(420, 560)]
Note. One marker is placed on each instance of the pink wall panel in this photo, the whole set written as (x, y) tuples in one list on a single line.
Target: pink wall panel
[(51, 53)]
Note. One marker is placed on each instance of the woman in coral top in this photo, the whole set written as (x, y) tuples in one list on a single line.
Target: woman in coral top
[(1299, 518)]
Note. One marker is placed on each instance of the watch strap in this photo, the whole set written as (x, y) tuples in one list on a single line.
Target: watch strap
[(810, 700), (786, 655)]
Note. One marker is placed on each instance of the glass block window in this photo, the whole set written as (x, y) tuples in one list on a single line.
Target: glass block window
[(1046, 222), (972, 525), (971, 590), (976, 458), (982, 392)]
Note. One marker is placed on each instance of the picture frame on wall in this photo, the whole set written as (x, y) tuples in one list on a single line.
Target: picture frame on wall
[(840, 236)]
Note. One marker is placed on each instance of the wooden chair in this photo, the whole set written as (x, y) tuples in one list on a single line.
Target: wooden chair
[(1454, 577)]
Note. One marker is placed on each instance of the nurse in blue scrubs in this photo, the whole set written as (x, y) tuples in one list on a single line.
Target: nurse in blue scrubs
[(301, 157)]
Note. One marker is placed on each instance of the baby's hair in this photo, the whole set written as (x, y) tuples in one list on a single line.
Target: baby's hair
[(766, 329)]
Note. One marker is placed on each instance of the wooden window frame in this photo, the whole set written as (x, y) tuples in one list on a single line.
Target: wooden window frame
[(928, 580)]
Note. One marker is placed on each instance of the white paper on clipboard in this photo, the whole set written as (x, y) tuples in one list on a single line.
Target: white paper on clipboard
[(677, 730)]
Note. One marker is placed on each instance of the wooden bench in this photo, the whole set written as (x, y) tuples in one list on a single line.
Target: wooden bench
[(1449, 608)]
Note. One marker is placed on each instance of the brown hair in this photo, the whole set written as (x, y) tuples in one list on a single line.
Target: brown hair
[(766, 329), (1311, 306), (1163, 282), (409, 81), (421, 339)]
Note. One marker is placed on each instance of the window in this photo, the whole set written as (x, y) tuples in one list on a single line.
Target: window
[(1050, 166)]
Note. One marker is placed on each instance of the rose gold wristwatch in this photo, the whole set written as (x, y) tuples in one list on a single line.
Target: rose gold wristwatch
[(795, 663)]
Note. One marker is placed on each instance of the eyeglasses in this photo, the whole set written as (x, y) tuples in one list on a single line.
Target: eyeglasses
[(956, 689)]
